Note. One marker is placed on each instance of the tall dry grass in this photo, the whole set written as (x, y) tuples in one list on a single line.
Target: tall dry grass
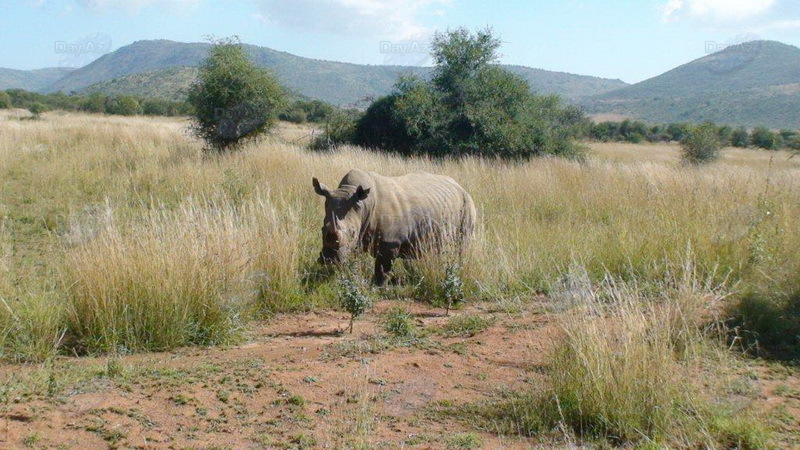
[(632, 367), (120, 217)]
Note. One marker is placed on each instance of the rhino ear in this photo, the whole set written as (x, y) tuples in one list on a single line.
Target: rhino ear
[(320, 188), (361, 193)]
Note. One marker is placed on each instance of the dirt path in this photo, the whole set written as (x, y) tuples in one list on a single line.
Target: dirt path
[(297, 382)]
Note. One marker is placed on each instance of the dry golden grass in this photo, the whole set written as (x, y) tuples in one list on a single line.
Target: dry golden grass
[(95, 206), (634, 369)]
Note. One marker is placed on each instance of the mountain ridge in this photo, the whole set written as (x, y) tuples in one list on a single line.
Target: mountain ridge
[(753, 83), (333, 81)]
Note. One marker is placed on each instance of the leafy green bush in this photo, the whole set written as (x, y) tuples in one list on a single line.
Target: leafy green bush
[(340, 128), (353, 298), (233, 99), (37, 108), (469, 107), (315, 110), (764, 138), (740, 138), (5, 100), (124, 105), (293, 115), (678, 131), (453, 287), (702, 145)]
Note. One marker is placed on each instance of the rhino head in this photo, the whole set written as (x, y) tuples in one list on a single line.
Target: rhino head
[(342, 222)]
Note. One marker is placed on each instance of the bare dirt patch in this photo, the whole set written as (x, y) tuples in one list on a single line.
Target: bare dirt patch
[(297, 381)]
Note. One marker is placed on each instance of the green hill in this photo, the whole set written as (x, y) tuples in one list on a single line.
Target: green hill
[(169, 84), (755, 83), (163, 68), (30, 80)]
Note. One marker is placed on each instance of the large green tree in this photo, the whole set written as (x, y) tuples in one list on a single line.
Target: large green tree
[(470, 106), (233, 99)]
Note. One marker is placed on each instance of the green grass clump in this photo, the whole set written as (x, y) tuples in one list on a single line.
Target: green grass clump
[(466, 325), (399, 323), (464, 441), (160, 285), (32, 327)]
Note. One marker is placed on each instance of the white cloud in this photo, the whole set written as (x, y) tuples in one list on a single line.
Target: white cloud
[(716, 10), (397, 19), (127, 6)]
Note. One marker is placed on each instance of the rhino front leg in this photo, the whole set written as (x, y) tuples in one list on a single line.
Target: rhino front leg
[(384, 258)]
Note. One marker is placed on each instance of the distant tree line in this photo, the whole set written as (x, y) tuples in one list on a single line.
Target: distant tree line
[(635, 131), (94, 102), (299, 111)]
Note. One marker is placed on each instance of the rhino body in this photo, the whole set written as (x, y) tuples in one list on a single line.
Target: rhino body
[(392, 217)]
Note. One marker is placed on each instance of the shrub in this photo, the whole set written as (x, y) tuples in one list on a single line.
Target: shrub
[(470, 107), (340, 128), (678, 131), (702, 145), (381, 128), (37, 108), (452, 287), (94, 103), (316, 110), (353, 298), (233, 100), (740, 138), (5, 100), (124, 105), (293, 115), (794, 143), (764, 138), (399, 322)]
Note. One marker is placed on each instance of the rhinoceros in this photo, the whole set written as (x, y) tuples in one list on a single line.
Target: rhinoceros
[(392, 217)]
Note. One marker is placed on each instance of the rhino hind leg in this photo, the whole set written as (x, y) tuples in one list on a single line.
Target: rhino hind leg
[(384, 258)]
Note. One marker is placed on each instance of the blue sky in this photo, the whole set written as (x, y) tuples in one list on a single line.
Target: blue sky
[(626, 39)]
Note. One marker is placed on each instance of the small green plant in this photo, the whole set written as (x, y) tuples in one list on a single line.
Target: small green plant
[(114, 367), (702, 145), (180, 399), (303, 441), (353, 299), (296, 400), (32, 439), (465, 441), (453, 287), (399, 323), (465, 326)]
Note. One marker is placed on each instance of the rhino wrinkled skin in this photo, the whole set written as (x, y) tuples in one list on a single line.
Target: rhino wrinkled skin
[(392, 217)]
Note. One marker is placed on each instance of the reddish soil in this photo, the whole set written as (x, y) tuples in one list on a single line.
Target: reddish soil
[(299, 382)]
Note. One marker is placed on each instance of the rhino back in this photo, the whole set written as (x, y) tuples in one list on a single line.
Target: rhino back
[(409, 207)]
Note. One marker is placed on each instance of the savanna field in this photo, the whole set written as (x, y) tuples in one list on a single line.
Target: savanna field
[(156, 295)]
